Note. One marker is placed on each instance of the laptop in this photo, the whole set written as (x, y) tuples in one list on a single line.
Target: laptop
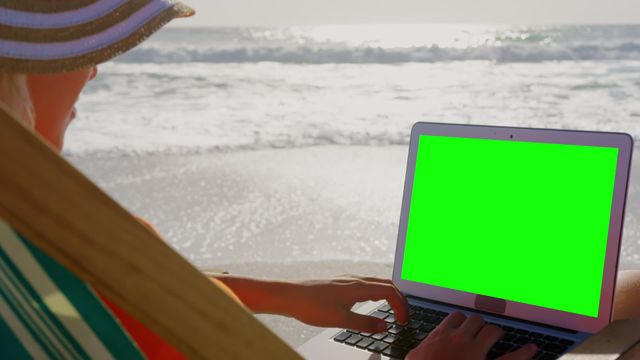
[(522, 226)]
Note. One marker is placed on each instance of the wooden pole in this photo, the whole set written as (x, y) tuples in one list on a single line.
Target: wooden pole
[(47, 200)]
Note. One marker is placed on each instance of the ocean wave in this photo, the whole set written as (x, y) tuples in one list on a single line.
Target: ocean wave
[(93, 148), (371, 55)]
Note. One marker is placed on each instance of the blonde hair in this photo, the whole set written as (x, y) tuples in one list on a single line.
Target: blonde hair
[(14, 94)]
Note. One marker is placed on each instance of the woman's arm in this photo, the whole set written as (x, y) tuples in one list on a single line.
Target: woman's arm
[(325, 303)]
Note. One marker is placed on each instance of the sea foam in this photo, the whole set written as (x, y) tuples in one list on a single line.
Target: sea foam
[(226, 89)]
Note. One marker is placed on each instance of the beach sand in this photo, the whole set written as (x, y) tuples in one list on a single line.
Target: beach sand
[(281, 213)]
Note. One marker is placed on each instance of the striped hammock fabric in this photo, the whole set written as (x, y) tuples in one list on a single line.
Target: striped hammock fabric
[(48, 313)]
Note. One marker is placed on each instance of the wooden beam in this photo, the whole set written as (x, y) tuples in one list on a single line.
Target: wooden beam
[(62, 212)]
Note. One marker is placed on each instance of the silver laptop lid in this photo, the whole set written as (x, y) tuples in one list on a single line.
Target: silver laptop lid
[(521, 222)]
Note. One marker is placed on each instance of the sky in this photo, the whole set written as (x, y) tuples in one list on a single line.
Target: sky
[(315, 12)]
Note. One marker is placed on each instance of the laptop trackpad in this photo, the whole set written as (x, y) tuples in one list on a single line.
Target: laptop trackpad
[(490, 304)]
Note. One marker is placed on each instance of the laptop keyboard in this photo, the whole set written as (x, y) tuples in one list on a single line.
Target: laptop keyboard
[(398, 340)]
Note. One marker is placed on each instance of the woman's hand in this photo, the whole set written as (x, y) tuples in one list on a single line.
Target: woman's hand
[(328, 303), (461, 337), (325, 303)]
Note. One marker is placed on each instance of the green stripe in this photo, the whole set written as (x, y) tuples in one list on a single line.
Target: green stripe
[(27, 324), (50, 320), (10, 344), (17, 299), (90, 307), (54, 327)]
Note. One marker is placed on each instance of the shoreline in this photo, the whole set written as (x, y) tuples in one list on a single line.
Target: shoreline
[(305, 204)]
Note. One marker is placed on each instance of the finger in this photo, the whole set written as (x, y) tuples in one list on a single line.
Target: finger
[(524, 353), (471, 326), (402, 313), (452, 321), (363, 323), (487, 337), (370, 291)]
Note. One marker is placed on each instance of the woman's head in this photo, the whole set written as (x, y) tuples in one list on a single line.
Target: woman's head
[(45, 102), (49, 49)]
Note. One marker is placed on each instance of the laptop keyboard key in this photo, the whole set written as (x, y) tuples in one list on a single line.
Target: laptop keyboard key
[(550, 338), (419, 316), (403, 343), (427, 328), (390, 319), (342, 336), (414, 324), (364, 343), (390, 339), (432, 319), (395, 352), (379, 314), (377, 346), (354, 339), (536, 335), (395, 329), (420, 335), (406, 333), (384, 308)]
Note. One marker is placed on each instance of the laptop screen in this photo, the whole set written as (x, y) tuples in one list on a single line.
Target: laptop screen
[(520, 221)]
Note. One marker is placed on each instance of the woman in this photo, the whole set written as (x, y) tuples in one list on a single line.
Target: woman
[(48, 52)]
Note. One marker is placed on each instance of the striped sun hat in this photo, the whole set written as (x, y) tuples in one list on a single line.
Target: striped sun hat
[(52, 36)]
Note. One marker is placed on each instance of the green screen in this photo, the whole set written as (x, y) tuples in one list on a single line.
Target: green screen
[(519, 221)]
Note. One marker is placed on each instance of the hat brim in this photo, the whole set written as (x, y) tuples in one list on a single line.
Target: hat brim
[(50, 56)]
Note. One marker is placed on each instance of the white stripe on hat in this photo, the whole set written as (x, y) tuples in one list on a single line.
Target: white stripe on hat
[(34, 20), (61, 50)]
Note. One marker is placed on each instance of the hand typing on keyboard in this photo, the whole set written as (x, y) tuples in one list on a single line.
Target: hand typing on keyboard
[(328, 303), (461, 337)]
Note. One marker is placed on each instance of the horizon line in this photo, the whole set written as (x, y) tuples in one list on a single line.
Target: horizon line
[(186, 24)]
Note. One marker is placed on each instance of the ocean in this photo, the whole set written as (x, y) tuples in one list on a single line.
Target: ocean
[(192, 90), (246, 145)]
